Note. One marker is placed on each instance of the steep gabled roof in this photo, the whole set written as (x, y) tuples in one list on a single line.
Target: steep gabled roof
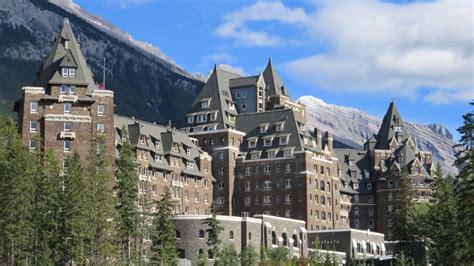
[(217, 91), (274, 83), (387, 131), (60, 56)]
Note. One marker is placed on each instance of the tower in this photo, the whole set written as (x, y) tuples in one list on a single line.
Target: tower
[(65, 109)]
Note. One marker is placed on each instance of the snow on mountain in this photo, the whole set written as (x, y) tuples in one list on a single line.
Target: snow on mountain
[(353, 127)]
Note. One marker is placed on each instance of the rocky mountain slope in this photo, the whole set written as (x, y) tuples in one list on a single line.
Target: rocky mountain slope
[(352, 127), (147, 83)]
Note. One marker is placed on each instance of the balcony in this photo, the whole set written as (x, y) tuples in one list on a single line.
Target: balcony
[(68, 98), (67, 135), (177, 184)]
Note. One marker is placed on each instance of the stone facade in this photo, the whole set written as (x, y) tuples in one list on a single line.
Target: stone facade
[(65, 110), (357, 244), (265, 160), (260, 231)]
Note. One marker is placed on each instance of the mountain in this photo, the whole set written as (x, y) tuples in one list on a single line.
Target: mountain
[(352, 127), (147, 83)]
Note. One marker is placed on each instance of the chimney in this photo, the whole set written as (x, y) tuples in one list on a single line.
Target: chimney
[(319, 137), (329, 140)]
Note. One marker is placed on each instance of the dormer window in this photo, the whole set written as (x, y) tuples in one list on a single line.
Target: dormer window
[(284, 140), (68, 72), (205, 103), (190, 119), (263, 128), (252, 143), (188, 151), (157, 144), (287, 153), (231, 106), (398, 128), (142, 139), (271, 154), (355, 185), (175, 147), (255, 156), (65, 72), (279, 126), (190, 165), (212, 116), (158, 158), (267, 142), (201, 118)]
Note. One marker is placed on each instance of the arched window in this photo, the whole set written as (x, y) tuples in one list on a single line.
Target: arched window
[(231, 234), (295, 241), (321, 187), (323, 201), (328, 186), (274, 238), (285, 239), (201, 233)]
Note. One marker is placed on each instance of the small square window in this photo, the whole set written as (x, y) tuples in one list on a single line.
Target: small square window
[(33, 126), (100, 109), (33, 107), (67, 145), (67, 127), (100, 127), (67, 108)]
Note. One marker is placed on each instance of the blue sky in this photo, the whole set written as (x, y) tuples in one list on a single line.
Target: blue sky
[(360, 54)]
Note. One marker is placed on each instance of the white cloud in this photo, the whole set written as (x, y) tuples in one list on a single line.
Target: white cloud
[(126, 3), (385, 47), (235, 25), (373, 46)]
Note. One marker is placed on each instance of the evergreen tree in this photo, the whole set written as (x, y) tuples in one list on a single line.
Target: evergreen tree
[(127, 197), (280, 255), (73, 213), (465, 188), (441, 222), (164, 234), (48, 189), (249, 256), (228, 255), (145, 224), (214, 229), (17, 192), (202, 258), (316, 256), (400, 216), (100, 206)]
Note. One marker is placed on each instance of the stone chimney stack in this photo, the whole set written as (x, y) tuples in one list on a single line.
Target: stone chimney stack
[(328, 139), (319, 137)]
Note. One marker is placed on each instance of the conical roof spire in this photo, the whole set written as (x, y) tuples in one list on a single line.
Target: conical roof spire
[(66, 53), (392, 126), (272, 79)]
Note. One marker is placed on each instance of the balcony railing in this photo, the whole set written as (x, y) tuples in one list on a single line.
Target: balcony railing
[(68, 98), (67, 135)]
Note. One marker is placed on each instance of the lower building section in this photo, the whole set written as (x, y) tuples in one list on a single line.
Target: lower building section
[(260, 231)]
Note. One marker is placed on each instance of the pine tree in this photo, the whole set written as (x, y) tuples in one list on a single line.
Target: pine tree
[(164, 233), (73, 213), (145, 224), (100, 239), (127, 197), (228, 255), (400, 216), (48, 188), (17, 191), (441, 222), (316, 256), (249, 256), (214, 229), (465, 188)]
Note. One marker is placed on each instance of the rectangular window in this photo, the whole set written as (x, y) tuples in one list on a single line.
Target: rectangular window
[(244, 94), (252, 143), (158, 158), (267, 185), (287, 153), (356, 223), (64, 72), (267, 200), (63, 89), (271, 154), (72, 72), (157, 144), (67, 145), (205, 104), (267, 169), (237, 95), (33, 107), (190, 119), (32, 144), (279, 127), (284, 140), (67, 126), (100, 109), (67, 108), (66, 44), (72, 90), (33, 126), (248, 200), (100, 127)]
